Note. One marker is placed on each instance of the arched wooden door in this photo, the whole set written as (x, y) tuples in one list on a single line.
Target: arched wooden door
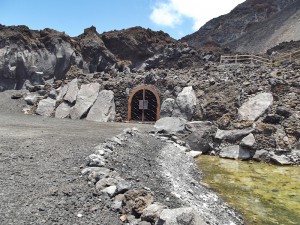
[(144, 104)]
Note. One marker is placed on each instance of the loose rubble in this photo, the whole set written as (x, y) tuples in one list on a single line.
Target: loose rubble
[(160, 193)]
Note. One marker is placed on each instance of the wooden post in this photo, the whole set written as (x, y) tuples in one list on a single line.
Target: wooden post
[(236, 59)]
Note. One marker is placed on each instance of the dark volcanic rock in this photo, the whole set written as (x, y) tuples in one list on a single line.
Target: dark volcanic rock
[(253, 26), (33, 57)]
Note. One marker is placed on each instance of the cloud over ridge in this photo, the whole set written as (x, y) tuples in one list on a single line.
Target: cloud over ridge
[(171, 13)]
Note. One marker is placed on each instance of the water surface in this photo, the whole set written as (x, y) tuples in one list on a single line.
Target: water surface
[(265, 194)]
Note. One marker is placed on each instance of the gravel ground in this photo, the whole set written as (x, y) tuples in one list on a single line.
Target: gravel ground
[(40, 157), (40, 165), (172, 175)]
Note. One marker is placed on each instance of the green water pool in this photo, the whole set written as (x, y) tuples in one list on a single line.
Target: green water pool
[(264, 194)]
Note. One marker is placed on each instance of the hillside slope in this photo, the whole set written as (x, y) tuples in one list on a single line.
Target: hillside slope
[(253, 26)]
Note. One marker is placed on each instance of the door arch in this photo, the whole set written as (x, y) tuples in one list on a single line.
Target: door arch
[(144, 104)]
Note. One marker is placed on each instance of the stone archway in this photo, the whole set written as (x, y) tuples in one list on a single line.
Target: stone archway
[(144, 104)]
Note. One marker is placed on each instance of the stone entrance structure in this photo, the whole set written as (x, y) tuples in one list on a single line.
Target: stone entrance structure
[(144, 104)]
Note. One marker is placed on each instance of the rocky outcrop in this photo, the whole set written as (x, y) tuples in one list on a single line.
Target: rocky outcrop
[(253, 26), (31, 57)]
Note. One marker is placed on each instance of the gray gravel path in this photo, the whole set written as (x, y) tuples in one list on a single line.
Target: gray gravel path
[(40, 179)]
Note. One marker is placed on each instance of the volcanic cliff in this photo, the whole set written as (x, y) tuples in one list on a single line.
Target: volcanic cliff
[(253, 26)]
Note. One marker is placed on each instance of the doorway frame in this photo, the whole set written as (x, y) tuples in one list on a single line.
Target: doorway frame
[(144, 88)]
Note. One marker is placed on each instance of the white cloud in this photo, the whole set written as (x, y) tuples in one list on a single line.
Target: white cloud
[(164, 14), (172, 12)]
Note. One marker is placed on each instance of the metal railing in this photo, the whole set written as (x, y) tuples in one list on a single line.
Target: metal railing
[(281, 58), (245, 58)]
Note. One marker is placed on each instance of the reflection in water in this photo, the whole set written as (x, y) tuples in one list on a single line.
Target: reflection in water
[(265, 194)]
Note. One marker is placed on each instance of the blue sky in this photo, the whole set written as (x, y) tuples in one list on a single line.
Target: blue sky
[(176, 17)]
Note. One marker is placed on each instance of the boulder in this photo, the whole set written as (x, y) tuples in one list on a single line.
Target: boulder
[(62, 92), (185, 103), (31, 98), (96, 175), (117, 203), (167, 108), (232, 135), (198, 143), (135, 201), (72, 91), (272, 118), (46, 107), (103, 109), (180, 216), (199, 127), (101, 170), (260, 155), (248, 141), (111, 191), (170, 124), (85, 99), (194, 154), (234, 152), (280, 160), (152, 212), (122, 186), (63, 110), (53, 94), (201, 136), (106, 182), (255, 107), (95, 160)]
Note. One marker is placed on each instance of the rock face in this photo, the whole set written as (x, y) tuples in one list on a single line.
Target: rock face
[(86, 97), (46, 107), (256, 106), (185, 103), (235, 152), (253, 26), (103, 109), (170, 124), (31, 56)]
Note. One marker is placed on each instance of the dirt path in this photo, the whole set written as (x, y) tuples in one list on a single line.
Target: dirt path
[(40, 179)]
